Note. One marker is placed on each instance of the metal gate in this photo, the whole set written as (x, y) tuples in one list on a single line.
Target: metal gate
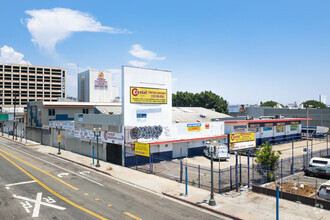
[(114, 154)]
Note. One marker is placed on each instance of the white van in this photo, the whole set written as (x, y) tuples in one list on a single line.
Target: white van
[(319, 162), (324, 191), (221, 152)]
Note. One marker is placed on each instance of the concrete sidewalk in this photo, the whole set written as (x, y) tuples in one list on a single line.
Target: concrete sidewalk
[(245, 205)]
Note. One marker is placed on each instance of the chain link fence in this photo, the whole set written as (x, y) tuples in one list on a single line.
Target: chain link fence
[(232, 177)]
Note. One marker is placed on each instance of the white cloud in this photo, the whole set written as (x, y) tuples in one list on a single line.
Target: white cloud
[(9, 55), (139, 52), (49, 26), (137, 63)]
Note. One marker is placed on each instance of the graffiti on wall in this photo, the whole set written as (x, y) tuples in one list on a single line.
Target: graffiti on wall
[(146, 132)]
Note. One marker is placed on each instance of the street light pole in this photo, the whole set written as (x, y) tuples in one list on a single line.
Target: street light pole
[(97, 134), (14, 124), (211, 151), (59, 129)]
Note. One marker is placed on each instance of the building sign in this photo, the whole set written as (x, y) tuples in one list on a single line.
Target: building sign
[(242, 145), (269, 125), (268, 128), (100, 82), (254, 125), (207, 126), (294, 123), (112, 137), (240, 128), (142, 149), (148, 95), (241, 137), (194, 127), (279, 129), (280, 123), (293, 127)]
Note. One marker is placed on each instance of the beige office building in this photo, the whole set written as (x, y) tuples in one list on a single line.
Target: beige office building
[(30, 83)]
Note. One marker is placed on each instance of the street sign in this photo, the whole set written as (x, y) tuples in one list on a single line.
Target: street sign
[(59, 137), (3, 117)]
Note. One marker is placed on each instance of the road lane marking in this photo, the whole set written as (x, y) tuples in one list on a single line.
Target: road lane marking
[(109, 205), (65, 183), (97, 199), (62, 174), (42, 203), (53, 192), (93, 181), (84, 172), (132, 216), (37, 204), (85, 194), (21, 183)]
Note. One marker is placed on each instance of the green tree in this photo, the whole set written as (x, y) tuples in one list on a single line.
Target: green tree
[(267, 161), (315, 104), (206, 99), (269, 104)]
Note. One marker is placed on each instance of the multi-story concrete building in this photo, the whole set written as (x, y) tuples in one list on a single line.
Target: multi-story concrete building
[(29, 83), (96, 86)]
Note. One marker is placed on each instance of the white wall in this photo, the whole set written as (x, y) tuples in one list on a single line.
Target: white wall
[(157, 114)]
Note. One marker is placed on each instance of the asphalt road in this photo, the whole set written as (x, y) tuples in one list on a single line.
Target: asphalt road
[(35, 185)]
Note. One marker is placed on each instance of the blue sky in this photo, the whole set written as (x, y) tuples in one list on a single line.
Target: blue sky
[(244, 51)]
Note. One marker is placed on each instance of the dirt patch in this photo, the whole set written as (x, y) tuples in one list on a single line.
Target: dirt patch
[(301, 189)]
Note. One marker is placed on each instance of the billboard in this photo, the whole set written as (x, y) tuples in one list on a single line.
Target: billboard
[(148, 95), (236, 108), (241, 137), (142, 149)]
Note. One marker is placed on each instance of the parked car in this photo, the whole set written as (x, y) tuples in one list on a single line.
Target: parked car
[(324, 191), (323, 172)]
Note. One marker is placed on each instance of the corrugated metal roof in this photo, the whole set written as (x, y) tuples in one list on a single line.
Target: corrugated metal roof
[(112, 110), (195, 114)]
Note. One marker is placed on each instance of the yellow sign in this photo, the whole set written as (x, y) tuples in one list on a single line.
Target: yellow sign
[(142, 149), (148, 95), (241, 137), (59, 137)]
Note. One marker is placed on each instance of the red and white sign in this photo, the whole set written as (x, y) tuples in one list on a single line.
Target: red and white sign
[(100, 82), (112, 137)]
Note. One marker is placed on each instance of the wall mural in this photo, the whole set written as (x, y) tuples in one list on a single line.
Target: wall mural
[(146, 132)]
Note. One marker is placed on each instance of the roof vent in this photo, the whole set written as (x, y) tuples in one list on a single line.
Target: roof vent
[(203, 115)]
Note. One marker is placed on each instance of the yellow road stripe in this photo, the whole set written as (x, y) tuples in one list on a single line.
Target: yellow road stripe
[(132, 216), (53, 192), (85, 194), (109, 205), (75, 188)]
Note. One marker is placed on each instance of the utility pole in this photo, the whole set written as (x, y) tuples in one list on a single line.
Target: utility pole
[(14, 123)]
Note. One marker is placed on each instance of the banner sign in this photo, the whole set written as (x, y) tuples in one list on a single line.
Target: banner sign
[(194, 127), (148, 95), (268, 128), (241, 137), (112, 137), (242, 145), (142, 149)]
